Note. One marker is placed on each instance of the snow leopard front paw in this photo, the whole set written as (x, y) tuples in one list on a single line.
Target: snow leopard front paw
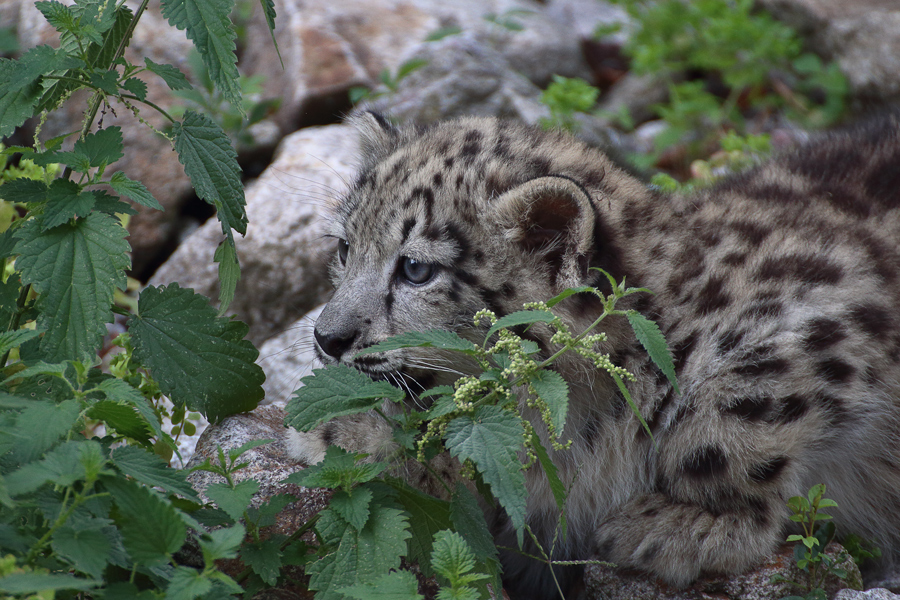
[(366, 434)]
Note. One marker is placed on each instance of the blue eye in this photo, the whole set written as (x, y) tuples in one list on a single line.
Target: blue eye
[(343, 249), (417, 272)]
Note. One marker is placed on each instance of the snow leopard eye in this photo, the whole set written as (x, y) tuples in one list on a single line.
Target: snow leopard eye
[(417, 272), (343, 249)]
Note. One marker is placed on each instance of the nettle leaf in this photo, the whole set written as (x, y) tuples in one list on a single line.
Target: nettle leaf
[(197, 358), (435, 338), (651, 338), (61, 17), (490, 439), (136, 87), (102, 147), (61, 466), (556, 485), (65, 201), (522, 317), (451, 556), (34, 583), (134, 190), (40, 426), (358, 556), (174, 78), (335, 391), (468, 521), (19, 87), (150, 469), (570, 292), (233, 501), (85, 546), (151, 528), (429, 514), (353, 506), (187, 584), (121, 418), (222, 543), (229, 272), (264, 558), (24, 190), (208, 25), (121, 392), (211, 163), (399, 585), (339, 469), (75, 268), (14, 339), (553, 390), (268, 8)]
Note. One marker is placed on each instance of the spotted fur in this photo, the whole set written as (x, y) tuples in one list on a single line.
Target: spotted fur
[(778, 291)]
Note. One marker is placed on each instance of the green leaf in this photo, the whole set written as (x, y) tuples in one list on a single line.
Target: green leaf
[(522, 317), (211, 163), (19, 88), (61, 17), (264, 558), (358, 556), (197, 358), (208, 25), (556, 485), (151, 528), (229, 273), (222, 543), (435, 338), (650, 337), (33, 583), (468, 521), (14, 339), (24, 190), (187, 584), (61, 466), (233, 501), (428, 514), (41, 425), (111, 205), (399, 585), (65, 202), (121, 392), (553, 390), (174, 78), (490, 439), (136, 87), (352, 506), (334, 391), (121, 418), (451, 556), (101, 147), (134, 190), (86, 547), (338, 470), (151, 470), (75, 268)]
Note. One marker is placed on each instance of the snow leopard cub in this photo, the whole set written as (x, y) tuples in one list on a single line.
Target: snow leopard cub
[(778, 291)]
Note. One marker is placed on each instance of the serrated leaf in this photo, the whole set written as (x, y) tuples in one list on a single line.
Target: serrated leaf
[(19, 90), (233, 501), (553, 390), (119, 391), (339, 469), (399, 585), (187, 584), (134, 190), (87, 548), (14, 339), (32, 583), (435, 338), (107, 81), (136, 87), (570, 292), (58, 15), (222, 543), (428, 514), (102, 147), (211, 163), (208, 24), (264, 558), (229, 273), (174, 78), (197, 358), (151, 528), (151, 470), (651, 338), (65, 202), (61, 465), (358, 556), (490, 439), (468, 521), (522, 317), (550, 470), (334, 391), (24, 190), (268, 8), (40, 426), (111, 205), (451, 556), (265, 515), (75, 268), (121, 418), (353, 507)]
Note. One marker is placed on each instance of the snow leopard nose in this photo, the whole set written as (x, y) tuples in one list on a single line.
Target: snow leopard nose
[(335, 345)]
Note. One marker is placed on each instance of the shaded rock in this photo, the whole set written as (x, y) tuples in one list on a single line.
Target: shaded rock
[(283, 271), (863, 37), (610, 583)]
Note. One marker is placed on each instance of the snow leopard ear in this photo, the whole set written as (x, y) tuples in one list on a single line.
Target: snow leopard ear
[(377, 134), (552, 217)]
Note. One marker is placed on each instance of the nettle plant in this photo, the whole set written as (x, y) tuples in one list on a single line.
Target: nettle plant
[(375, 519), (89, 503)]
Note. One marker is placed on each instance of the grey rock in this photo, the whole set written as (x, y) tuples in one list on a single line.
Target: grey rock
[(873, 594), (287, 357), (283, 271)]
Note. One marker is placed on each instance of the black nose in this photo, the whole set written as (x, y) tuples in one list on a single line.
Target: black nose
[(334, 345)]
